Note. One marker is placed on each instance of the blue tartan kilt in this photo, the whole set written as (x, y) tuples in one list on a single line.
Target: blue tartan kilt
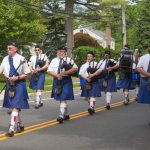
[(67, 89), (94, 92), (126, 82), (144, 94), (38, 84), (20, 99), (111, 84)]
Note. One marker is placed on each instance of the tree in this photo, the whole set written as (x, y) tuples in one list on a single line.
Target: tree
[(19, 23), (55, 35), (143, 24)]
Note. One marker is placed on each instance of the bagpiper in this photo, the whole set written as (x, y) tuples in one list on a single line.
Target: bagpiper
[(38, 65), (135, 73), (91, 87), (108, 82), (61, 68), (126, 67), (143, 68), (15, 69)]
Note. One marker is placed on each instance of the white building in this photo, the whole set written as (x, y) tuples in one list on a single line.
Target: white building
[(99, 36)]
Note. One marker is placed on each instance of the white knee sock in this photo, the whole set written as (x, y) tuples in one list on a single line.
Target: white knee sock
[(126, 95), (14, 116), (108, 97), (63, 107), (92, 102), (137, 90), (38, 97)]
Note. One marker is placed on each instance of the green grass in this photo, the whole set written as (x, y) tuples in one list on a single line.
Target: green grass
[(47, 86)]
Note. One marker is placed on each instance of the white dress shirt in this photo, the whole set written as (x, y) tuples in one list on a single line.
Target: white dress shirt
[(144, 63), (83, 69), (54, 65), (32, 61), (5, 67)]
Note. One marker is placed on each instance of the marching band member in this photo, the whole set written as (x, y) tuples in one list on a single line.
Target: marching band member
[(125, 80), (91, 88), (61, 68), (38, 64), (136, 75), (143, 68), (108, 83), (15, 69)]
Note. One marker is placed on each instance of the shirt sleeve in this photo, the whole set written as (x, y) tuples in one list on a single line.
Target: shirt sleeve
[(73, 63), (140, 63), (75, 66), (30, 63), (51, 66), (26, 69), (82, 70), (46, 59)]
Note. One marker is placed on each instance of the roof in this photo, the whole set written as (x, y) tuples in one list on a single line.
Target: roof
[(95, 31)]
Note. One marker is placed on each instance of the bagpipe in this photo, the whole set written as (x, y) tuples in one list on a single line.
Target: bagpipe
[(68, 65), (12, 84), (105, 73), (41, 62)]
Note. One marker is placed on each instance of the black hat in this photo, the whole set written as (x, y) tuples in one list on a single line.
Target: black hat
[(62, 48), (107, 52), (13, 44)]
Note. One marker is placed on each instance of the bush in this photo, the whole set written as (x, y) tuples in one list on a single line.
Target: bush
[(80, 54)]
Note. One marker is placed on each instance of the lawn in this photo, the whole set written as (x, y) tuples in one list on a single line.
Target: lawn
[(47, 86)]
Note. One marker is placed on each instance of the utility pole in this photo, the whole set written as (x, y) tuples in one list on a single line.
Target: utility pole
[(108, 36), (69, 26), (124, 38)]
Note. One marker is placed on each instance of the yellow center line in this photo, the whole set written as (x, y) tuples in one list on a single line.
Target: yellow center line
[(54, 122)]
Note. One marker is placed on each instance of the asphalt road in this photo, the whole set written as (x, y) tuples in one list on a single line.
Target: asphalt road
[(121, 128)]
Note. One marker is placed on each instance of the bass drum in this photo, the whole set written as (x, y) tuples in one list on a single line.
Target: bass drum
[(126, 61)]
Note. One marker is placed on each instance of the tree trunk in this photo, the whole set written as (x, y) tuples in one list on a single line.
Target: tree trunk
[(69, 26)]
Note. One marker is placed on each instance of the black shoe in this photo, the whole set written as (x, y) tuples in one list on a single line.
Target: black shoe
[(136, 99), (60, 120), (41, 104), (66, 117), (37, 106), (108, 107), (126, 103), (10, 134), (20, 129), (91, 111), (9, 111)]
